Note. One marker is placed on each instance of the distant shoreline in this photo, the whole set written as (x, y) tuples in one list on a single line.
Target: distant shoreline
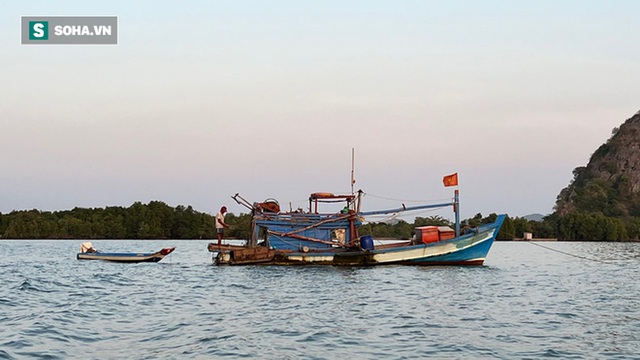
[(534, 239)]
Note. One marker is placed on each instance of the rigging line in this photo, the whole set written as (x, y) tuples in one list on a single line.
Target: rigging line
[(569, 254), (424, 211), (411, 212), (406, 200)]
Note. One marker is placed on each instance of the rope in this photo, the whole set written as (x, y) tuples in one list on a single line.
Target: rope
[(569, 254), (371, 218), (513, 235)]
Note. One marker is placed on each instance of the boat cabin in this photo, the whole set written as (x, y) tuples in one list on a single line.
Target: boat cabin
[(300, 231)]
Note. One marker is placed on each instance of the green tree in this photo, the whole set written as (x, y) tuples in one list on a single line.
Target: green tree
[(507, 231), (520, 226), (435, 220)]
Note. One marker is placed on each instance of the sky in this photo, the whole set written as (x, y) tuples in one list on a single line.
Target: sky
[(201, 100)]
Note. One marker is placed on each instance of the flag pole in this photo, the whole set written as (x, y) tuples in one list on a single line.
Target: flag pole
[(452, 180), (456, 209)]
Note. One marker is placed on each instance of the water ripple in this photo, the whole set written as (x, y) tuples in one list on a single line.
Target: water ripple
[(526, 303)]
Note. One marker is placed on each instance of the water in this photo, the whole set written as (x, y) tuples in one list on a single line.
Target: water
[(527, 302)]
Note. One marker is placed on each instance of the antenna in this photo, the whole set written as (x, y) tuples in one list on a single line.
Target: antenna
[(353, 180)]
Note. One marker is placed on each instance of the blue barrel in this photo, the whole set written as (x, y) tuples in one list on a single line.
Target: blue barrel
[(366, 242)]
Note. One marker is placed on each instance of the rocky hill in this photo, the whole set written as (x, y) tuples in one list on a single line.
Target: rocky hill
[(610, 183), (534, 217)]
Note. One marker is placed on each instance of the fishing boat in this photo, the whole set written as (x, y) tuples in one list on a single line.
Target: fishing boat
[(87, 252), (313, 238)]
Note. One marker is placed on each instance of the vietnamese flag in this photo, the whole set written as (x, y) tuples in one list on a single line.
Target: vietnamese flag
[(450, 180)]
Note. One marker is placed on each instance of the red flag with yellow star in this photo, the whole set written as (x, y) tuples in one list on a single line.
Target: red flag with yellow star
[(450, 180)]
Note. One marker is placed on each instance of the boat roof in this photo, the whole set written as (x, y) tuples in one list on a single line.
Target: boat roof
[(330, 196)]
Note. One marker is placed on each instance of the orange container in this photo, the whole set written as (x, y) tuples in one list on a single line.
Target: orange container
[(428, 234), (446, 233)]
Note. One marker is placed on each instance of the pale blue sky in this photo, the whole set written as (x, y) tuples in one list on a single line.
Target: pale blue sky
[(201, 100)]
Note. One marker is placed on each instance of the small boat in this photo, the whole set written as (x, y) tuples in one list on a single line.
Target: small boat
[(87, 252), (313, 238)]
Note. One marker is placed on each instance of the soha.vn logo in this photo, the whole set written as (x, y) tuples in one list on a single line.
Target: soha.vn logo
[(38, 30), (63, 30), (82, 30)]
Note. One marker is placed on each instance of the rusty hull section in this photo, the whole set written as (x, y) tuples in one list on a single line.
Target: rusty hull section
[(241, 255)]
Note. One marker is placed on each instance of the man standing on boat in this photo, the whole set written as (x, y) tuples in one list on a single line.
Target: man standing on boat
[(220, 224)]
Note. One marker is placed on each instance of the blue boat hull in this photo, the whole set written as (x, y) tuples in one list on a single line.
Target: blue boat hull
[(469, 249)]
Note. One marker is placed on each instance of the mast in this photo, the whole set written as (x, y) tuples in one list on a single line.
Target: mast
[(353, 179), (456, 210)]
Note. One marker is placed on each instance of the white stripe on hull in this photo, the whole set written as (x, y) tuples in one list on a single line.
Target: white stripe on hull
[(409, 254), (426, 251)]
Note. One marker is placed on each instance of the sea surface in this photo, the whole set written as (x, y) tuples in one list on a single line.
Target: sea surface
[(565, 300)]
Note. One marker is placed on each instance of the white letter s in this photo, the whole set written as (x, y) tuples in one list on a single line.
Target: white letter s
[(38, 30)]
